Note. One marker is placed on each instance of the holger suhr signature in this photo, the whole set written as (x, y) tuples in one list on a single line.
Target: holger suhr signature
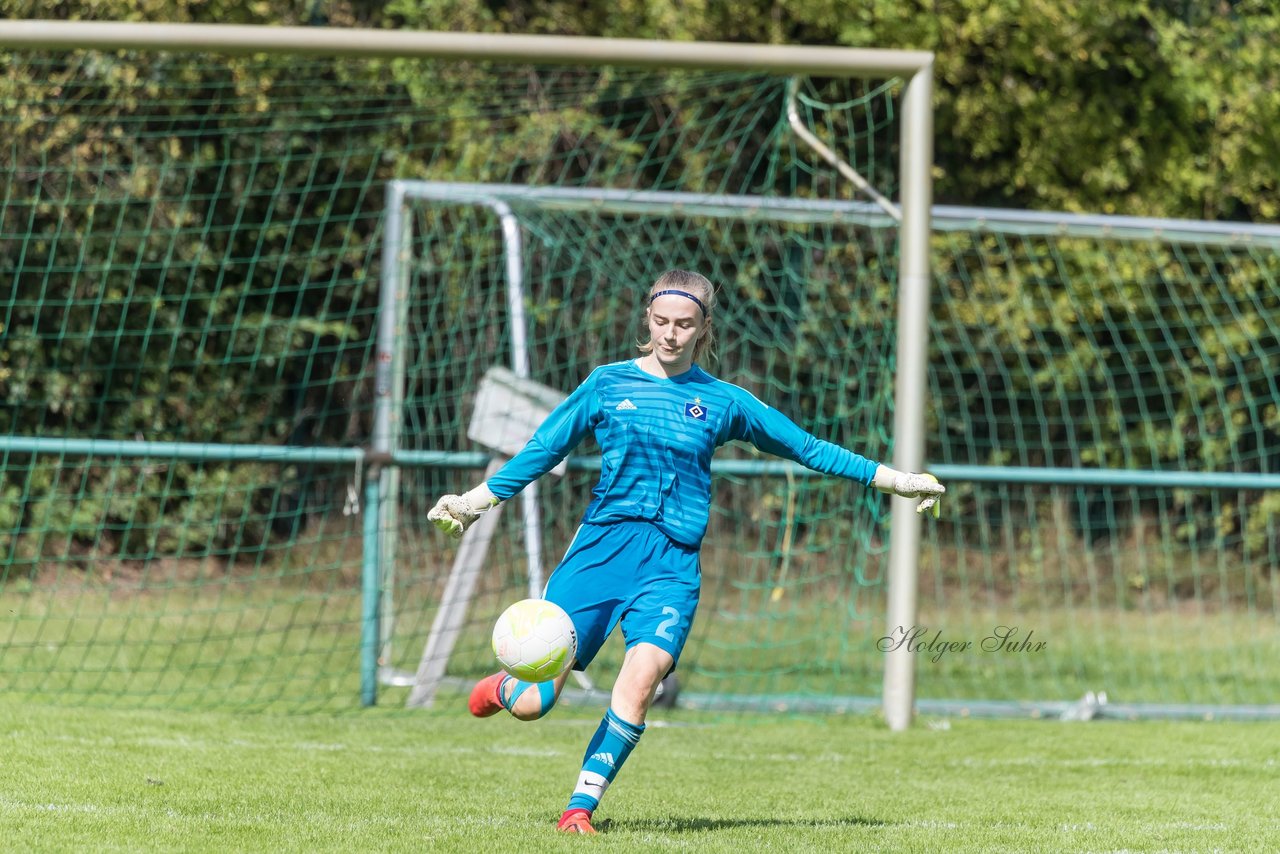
[(923, 641)]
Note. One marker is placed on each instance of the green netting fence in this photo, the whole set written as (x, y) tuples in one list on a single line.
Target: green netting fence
[(793, 565), (191, 250), (1124, 371), (191, 247), (1103, 405)]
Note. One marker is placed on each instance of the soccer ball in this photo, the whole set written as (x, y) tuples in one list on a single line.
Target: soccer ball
[(534, 640)]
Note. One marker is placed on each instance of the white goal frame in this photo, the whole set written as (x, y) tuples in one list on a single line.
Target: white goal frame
[(913, 205)]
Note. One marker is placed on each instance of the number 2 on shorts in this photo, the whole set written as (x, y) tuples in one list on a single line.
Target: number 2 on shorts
[(663, 627)]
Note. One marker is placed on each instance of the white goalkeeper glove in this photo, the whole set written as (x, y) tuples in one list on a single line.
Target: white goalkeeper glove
[(453, 514), (910, 485)]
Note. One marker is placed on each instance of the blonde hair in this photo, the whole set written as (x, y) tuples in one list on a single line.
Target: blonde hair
[(695, 285)]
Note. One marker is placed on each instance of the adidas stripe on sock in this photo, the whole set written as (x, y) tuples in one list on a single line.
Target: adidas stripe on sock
[(608, 749)]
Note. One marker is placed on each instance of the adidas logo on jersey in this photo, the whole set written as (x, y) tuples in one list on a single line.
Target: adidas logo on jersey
[(606, 758), (625, 406)]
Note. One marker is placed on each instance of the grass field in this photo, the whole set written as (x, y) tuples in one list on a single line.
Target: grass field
[(76, 779), (144, 766), (293, 648)]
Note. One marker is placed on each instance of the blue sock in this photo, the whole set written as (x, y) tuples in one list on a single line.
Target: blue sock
[(546, 693), (607, 750)]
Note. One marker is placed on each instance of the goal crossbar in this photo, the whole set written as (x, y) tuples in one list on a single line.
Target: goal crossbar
[(489, 47)]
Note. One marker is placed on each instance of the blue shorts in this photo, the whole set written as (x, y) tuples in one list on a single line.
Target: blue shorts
[(629, 573)]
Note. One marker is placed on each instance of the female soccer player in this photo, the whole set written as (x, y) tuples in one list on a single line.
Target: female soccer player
[(634, 560)]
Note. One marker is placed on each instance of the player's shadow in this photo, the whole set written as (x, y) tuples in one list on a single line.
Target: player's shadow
[(678, 824)]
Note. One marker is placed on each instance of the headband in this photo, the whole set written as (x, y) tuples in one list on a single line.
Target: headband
[(684, 294)]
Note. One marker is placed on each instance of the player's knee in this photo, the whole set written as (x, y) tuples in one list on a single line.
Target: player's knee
[(528, 710), (642, 671), (532, 700), (632, 699)]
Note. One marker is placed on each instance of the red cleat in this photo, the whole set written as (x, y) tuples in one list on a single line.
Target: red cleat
[(576, 821), (484, 697)]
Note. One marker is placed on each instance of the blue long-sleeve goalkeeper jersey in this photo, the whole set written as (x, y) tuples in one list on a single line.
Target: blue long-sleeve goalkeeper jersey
[(657, 436)]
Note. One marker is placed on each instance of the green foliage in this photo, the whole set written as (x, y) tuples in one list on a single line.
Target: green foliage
[(218, 264), (1144, 108), (1229, 91)]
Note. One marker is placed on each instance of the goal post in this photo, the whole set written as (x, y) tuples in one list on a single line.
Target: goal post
[(501, 200), (230, 178), (913, 213), (509, 203), (909, 388)]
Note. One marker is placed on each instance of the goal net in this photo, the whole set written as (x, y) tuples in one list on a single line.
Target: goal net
[(793, 564), (1101, 407), (195, 512), (190, 371)]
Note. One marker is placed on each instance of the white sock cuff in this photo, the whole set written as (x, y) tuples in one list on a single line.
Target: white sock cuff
[(591, 784)]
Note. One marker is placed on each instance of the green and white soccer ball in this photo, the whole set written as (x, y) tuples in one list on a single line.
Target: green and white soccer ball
[(534, 640)]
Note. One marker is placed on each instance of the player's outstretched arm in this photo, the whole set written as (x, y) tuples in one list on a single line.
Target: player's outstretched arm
[(910, 485), (453, 514)]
